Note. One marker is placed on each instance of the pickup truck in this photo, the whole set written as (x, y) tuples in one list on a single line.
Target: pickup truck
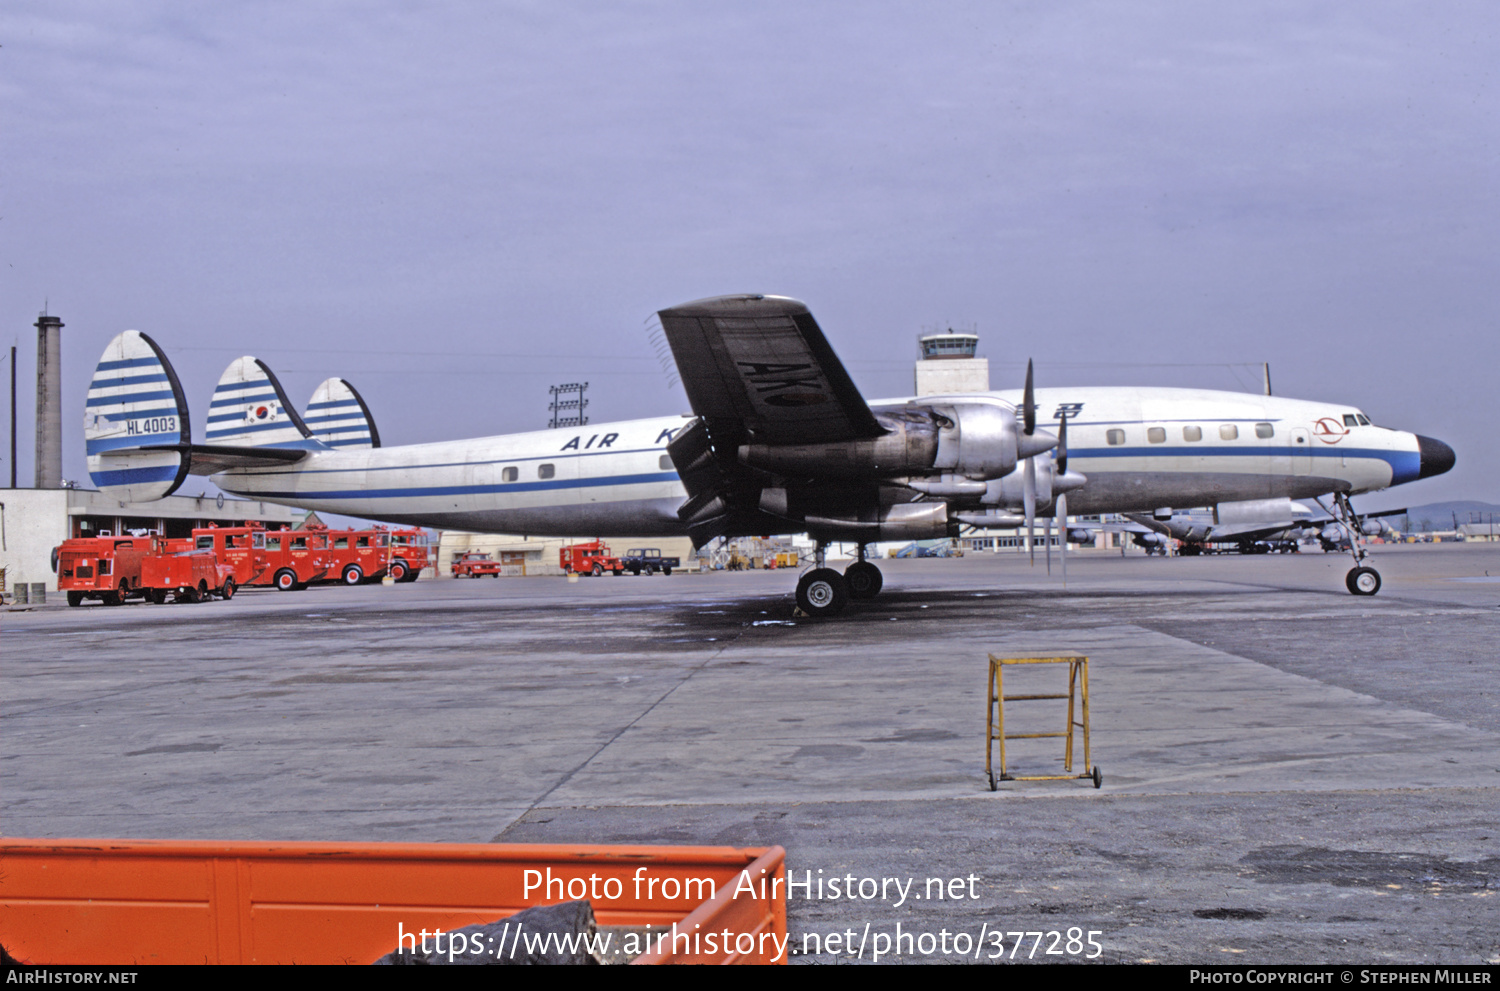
[(648, 561), (474, 564)]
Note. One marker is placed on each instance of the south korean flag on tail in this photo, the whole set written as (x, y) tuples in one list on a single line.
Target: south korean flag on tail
[(250, 409), (135, 422)]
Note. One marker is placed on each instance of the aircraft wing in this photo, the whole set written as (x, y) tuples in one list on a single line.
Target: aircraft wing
[(759, 367)]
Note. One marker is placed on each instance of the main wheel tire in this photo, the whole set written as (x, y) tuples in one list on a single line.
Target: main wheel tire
[(75, 599), (1363, 581), (398, 570), (865, 580), (822, 592), (353, 575), (286, 580), (227, 592)]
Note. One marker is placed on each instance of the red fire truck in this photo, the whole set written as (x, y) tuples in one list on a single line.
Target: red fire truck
[(408, 554), (283, 559), (592, 558), (105, 567), (176, 567), (358, 556)]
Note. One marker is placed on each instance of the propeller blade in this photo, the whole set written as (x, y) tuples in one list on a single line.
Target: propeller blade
[(1028, 403), (1060, 455), (1062, 516), (1028, 497), (1047, 536)]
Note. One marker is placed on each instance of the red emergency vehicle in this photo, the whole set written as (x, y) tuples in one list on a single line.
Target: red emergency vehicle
[(174, 566), (284, 559), (105, 567), (408, 554), (474, 564), (592, 558), (358, 556)]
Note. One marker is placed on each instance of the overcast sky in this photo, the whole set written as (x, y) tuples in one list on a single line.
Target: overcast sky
[(457, 205)]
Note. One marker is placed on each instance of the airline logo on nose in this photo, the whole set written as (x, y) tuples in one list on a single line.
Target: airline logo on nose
[(1330, 431)]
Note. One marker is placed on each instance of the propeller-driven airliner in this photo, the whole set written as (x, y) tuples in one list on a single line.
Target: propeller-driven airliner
[(780, 441)]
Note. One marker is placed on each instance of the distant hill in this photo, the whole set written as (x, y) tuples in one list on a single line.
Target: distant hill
[(1439, 515)]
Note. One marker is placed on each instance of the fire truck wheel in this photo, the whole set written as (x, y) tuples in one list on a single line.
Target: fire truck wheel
[(113, 598), (158, 596), (228, 590), (398, 570), (286, 580), (203, 593), (75, 598), (352, 575), (188, 594), (598, 571)]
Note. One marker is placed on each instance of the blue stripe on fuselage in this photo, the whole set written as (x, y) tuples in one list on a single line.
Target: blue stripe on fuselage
[(448, 490)]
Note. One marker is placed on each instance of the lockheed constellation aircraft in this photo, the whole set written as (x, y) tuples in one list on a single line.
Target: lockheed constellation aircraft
[(780, 441)]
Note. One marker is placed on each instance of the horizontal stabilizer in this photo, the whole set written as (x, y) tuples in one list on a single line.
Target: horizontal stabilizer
[(250, 409), (135, 423), (337, 416)]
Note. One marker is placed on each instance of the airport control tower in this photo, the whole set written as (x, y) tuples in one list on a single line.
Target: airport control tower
[(948, 364)]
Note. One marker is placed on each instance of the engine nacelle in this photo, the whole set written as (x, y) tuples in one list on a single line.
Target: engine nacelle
[(975, 441), (979, 441), (903, 521), (908, 447)]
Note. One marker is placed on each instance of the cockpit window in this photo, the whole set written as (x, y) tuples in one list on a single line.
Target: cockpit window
[(1364, 421), (1350, 421)]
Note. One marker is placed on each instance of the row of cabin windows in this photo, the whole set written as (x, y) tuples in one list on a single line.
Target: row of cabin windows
[(550, 470), (1158, 435)]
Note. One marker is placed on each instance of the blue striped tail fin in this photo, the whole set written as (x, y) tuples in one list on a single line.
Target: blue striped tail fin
[(250, 409), (337, 416), (135, 402)]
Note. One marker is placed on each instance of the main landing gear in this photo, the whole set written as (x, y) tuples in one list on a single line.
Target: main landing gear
[(1361, 579), (824, 592)]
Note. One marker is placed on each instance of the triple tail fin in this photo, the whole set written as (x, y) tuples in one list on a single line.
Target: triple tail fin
[(338, 416), (136, 431)]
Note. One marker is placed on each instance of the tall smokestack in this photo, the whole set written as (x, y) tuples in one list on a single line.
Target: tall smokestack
[(48, 402)]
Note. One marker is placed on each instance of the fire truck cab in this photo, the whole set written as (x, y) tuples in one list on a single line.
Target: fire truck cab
[(105, 567), (408, 554)]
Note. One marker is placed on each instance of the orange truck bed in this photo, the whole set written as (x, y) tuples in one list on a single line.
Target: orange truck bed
[(173, 901)]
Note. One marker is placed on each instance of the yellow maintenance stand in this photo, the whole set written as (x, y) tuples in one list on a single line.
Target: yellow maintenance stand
[(1078, 687)]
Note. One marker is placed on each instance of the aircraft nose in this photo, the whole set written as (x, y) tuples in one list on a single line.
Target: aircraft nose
[(1437, 457)]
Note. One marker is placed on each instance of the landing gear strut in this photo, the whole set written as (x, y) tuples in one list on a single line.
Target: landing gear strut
[(1362, 579)]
